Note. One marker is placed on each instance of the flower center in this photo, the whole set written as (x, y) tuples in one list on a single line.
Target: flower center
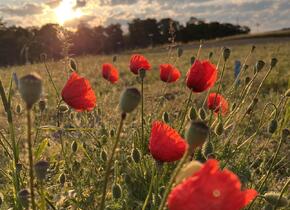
[(216, 193)]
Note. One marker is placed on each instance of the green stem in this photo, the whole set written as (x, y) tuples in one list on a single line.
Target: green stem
[(150, 190), (30, 153), (108, 168), (43, 202), (185, 111), (172, 179), (142, 111), (51, 80)]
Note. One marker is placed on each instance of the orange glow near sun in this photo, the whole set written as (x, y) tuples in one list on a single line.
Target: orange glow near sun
[(66, 11)]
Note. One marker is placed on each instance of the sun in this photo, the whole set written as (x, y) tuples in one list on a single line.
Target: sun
[(66, 11)]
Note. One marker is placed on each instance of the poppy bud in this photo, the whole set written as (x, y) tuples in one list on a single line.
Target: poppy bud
[(116, 191), (18, 109), (207, 149), (192, 59), (130, 99), (73, 65), (274, 61), (127, 179), (192, 115), (76, 166), (179, 52), (188, 170), (136, 156), (41, 169), (226, 53), (112, 132), (246, 66), (210, 55), (63, 108), (42, 105), (74, 146), (233, 106), (30, 88), (142, 73), (272, 126), (287, 94), (199, 156), (253, 48), (165, 117), (104, 155), (15, 78), (247, 80), (285, 133), (219, 129), (23, 196), (259, 65), (196, 134), (62, 179), (19, 167), (202, 114), (114, 58), (273, 198)]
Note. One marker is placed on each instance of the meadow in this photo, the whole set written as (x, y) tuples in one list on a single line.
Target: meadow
[(251, 139)]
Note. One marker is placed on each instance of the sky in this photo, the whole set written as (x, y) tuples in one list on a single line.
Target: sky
[(259, 15)]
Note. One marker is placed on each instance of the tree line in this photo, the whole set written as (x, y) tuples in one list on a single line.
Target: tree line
[(20, 45)]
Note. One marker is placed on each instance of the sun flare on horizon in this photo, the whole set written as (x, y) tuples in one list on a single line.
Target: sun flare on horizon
[(66, 11)]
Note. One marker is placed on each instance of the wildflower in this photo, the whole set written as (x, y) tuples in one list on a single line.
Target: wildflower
[(110, 72), (209, 189), (138, 62), (217, 102), (201, 76), (78, 93), (168, 73), (165, 144)]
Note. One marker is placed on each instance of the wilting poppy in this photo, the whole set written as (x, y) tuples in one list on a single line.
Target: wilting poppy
[(110, 72), (165, 144), (168, 73), (201, 76), (210, 189), (78, 93), (138, 62), (217, 103)]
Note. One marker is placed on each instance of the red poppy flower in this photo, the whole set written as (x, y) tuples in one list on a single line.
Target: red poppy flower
[(217, 102), (165, 144), (201, 76), (210, 189), (169, 73), (78, 93), (110, 72), (138, 62)]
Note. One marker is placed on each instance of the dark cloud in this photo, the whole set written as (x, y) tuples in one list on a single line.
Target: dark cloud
[(24, 10)]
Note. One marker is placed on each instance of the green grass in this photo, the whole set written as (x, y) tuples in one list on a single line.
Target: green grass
[(94, 132)]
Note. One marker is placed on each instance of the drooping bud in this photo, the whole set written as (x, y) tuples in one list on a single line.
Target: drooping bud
[(252, 105), (287, 94), (23, 196), (247, 80), (165, 117), (259, 66), (274, 199), (18, 109), (30, 88), (129, 100), (112, 132), (136, 156), (74, 146), (202, 114), (272, 126), (62, 179), (73, 65), (63, 108), (210, 55), (114, 58), (104, 155), (41, 169), (179, 52), (42, 105), (192, 115), (226, 53), (207, 149), (192, 59), (196, 134), (219, 129), (253, 48), (188, 170), (274, 62), (116, 191)]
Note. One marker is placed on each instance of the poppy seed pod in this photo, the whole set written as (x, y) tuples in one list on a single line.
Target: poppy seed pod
[(23, 196), (259, 65), (30, 88), (226, 53), (196, 134), (41, 169), (187, 171), (129, 100), (274, 62), (274, 199)]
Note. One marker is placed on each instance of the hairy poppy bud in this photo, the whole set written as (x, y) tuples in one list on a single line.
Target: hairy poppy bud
[(74, 146), (23, 196), (192, 115), (136, 156), (259, 65), (274, 62), (272, 126), (18, 109), (192, 59), (130, 99), (287, 94), (219, 129), (202, 114), (247, 80), (226, 53), (62, 179), (188, 170), (233, 106), (273, 198), (165, 117), (112, 132), (104, 155), (114, 58), (41, 169), (73, 65), (253, 48), (116, 191), (30, 88), (285, 133), (196, 134), (63, 108), (210, 55), (42, 105), (179, 52), (207, 149)]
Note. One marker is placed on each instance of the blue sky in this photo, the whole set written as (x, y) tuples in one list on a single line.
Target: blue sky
[(262, 15)]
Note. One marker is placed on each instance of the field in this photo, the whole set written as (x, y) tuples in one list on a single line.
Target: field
[(75, 176)]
